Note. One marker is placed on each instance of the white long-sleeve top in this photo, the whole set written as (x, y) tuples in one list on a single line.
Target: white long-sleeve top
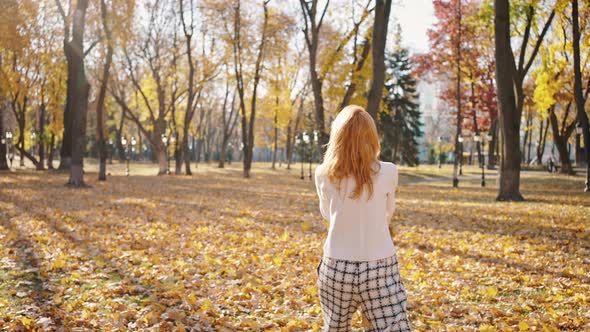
[(358, 227)]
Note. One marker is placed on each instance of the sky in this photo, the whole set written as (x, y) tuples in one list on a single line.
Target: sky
[(415, 17)]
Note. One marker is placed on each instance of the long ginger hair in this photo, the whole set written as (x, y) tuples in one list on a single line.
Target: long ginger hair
[(353, 149)]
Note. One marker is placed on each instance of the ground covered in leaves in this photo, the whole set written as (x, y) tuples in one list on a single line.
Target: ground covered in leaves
[(215, 252)]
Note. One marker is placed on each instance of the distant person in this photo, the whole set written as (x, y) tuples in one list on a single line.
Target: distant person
[(359, 266), (551, 166)]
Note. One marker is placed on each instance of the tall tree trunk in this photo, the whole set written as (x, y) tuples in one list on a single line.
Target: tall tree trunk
[(528, 154), (21, 121), (119, 136), (79, 93), (509, 189), (479, 144), (248, 121), (4, 143), (228, 124), (190, 108), (100, 130), (527, 134), (186, 156), (582, 116), (222, 152), (289, 147), (65, 157), (542, 140), (382, 10), (51, 152), (561, 144), (41, 144), (276, 134), (459, 119), (178, 161), (492, 145)]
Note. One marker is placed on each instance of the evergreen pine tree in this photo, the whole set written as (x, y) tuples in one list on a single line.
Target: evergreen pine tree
[(399, 119)]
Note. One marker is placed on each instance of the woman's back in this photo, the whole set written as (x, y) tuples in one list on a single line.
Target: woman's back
[(358, 226)]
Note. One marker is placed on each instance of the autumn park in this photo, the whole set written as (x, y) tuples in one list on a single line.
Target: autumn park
[(157, 160)]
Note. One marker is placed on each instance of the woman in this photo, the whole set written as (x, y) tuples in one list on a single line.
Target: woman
[(357, 196)]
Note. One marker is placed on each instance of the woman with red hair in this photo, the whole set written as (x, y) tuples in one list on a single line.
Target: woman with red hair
[(359, 267)]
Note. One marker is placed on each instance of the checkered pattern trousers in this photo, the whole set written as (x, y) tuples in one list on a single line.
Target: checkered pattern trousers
[(375, 286)]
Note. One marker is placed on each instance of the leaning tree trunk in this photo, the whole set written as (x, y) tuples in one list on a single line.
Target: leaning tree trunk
[(382, 10), (509, 189)]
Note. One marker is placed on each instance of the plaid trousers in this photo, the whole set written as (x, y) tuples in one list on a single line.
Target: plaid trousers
[(375, 286)]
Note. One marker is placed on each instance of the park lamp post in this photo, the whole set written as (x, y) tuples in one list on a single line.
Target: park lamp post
[(477, 138)]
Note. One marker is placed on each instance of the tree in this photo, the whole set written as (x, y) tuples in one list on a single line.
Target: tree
[(510, 75), (578, 96), (100, 130), (509, 115), (78, 90), (311, 30), (325, 49), (229, 117), (399, 121), (248, 120), (382, 10), (194, 89), (459, 58), (149, 63)]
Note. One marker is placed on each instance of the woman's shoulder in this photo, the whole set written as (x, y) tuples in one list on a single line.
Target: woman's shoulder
[(387, 167), (320, 172)]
